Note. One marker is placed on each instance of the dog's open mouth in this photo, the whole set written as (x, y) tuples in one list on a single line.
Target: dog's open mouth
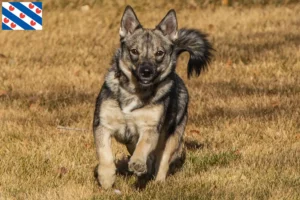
[(145, 83)]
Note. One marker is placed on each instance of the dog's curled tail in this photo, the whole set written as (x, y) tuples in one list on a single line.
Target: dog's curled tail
[(199, 48)]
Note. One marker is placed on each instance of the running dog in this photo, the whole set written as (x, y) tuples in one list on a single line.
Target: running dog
[(143, 102)]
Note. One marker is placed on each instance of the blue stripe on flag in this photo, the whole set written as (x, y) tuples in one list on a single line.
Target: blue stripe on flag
[(5, 27), (16, 20), (27, 11), (38, 4)]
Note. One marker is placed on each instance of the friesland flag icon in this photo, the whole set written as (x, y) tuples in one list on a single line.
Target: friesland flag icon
[(22, 16)]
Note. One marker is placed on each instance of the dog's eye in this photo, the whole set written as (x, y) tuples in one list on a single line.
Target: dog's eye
[(159, 53), (134, 52)]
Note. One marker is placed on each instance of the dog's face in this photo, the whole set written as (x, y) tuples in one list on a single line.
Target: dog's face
[(147, 54)]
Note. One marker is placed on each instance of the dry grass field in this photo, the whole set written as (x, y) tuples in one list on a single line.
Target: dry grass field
[(243, 132)]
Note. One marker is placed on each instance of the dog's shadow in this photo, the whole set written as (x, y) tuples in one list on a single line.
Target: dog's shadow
[(142, 181)]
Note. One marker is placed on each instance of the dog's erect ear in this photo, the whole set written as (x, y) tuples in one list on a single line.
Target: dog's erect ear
[(129, 22), (168, 25)]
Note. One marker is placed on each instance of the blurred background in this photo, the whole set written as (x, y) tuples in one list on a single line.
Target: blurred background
[(176, 4)]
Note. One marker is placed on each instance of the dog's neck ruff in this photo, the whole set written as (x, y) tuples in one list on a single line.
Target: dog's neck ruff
[(131, 97)]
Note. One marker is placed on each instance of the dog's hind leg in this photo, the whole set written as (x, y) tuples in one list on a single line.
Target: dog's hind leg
[(173, 150), (106, 169)]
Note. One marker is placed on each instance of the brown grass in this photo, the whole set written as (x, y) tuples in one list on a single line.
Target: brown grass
[(244, 111)]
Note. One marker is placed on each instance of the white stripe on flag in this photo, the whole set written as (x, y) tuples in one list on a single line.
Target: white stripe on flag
[(9, 24), (26, 19), (26, 4)]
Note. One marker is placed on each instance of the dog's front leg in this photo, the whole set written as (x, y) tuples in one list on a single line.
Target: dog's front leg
[(106, 169), (146, 144)]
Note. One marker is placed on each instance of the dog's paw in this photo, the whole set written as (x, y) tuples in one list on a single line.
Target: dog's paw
[(107, 183), (106, 177), (137, 166), (160, 178)]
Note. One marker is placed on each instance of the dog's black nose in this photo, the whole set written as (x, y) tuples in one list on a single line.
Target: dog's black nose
[(146, 72)]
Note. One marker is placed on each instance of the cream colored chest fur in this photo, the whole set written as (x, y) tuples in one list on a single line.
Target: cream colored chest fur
[(125, 123)]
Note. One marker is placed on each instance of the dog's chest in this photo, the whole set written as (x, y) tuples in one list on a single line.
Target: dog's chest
[(125, 122)]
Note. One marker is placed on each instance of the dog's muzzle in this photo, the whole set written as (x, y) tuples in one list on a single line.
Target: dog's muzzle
[(146, 73)]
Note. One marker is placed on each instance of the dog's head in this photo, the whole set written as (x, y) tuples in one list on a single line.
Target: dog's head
[(147, 55)]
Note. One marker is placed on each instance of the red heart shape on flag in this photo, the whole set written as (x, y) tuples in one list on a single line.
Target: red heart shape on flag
[(22, 15), (31, 6), (38, 11), (32, 23), (13, 25), (11, 8), (6, 20)]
